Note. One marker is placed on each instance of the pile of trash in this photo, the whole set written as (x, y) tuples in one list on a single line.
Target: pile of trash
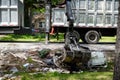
[(28, 61)]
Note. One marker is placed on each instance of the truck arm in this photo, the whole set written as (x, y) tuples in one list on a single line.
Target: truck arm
[(69, 11), (73, 56), (69, 15), (71, 35)]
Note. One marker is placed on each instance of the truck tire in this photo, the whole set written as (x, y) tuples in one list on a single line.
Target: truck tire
[(68, 34), (92, 37)]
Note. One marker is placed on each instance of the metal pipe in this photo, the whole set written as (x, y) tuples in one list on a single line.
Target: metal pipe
[(48, 19), (69, 10), (69, 15)]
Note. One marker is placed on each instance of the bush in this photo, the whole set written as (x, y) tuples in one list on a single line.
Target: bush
[(44, 52)]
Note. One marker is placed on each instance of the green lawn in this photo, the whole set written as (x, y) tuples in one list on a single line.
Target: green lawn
[(38, 37), (103, 39), (65, 76), (108, 39), (27, 37)]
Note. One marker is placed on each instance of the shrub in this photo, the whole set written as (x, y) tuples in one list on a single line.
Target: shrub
[(44, 52)]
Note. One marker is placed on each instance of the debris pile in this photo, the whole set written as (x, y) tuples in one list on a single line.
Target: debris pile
[(28, 61)]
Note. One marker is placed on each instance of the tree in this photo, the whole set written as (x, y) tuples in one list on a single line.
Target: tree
[(35, 5), (54, 2), (117, 51)]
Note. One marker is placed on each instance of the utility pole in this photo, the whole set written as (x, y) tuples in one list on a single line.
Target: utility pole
[(47, 19)]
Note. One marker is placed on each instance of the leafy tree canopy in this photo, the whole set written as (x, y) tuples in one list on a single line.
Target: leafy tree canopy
[(54, 2), (39, 5)]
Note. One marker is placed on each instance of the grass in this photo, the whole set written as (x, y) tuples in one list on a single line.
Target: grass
[(27, 37), (41, 37), (65, 76), (108, 39), (102, 74)]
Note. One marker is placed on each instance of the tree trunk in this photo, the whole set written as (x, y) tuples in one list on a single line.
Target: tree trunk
[(116, 75)]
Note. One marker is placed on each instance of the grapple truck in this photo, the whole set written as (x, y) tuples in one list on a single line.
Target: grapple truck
[(93, 19), (73, 56)]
